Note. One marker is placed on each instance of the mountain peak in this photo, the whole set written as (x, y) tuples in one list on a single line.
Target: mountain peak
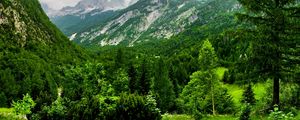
[(87, 6)]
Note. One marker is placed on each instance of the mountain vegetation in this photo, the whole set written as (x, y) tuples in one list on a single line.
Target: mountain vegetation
[(239, 60)]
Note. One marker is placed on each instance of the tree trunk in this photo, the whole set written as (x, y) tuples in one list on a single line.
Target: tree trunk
[(276, 88), (212, 98)]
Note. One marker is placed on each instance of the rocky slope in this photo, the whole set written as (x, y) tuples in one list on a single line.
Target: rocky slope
[(151, 20)]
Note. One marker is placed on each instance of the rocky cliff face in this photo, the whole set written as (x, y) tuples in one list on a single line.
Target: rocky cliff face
[(151, 20)]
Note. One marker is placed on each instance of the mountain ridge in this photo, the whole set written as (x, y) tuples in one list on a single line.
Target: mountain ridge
[(152, 20)]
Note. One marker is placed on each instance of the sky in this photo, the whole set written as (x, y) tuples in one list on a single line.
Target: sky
[(58, 4)]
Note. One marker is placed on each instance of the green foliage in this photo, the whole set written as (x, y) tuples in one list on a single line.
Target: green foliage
[(57, 110), (132, 79), (163, 87), (24, 106), (248, 96), (133, 107), (279, 115), (207, 56), (3, 100), (144, 81), (196, 96), (120, 82), (273, 48), (229, 77), (84, 80), (246, 111)]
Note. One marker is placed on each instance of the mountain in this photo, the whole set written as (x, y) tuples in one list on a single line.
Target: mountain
[(96, 6), (148, 20), (86, 14), (32, 50)]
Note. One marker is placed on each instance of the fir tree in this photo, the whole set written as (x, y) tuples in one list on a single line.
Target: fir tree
[(163, 87), (276, 38), (245, 115), (144, 82), (132, 77), (248, 96)]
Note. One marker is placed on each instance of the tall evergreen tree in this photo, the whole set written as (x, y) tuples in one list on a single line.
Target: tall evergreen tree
[(132, 77), (144, 82), (163, 87), (248, 96), (208, 62), (119, 60), (276, 44)]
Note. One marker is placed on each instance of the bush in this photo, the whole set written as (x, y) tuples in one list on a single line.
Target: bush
[(23, 107), (279, 115), (134, 107), (56, 111)]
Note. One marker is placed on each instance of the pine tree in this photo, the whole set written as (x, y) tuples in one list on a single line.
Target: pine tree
[(276, 38), (174, 81), (248, 96), (119, 60), (132, 77), (144, 82), (245, 115), (163, 87)]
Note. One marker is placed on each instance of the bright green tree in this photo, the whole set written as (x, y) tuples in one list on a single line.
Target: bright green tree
[(208, 62), (163, 87), (275, 29)]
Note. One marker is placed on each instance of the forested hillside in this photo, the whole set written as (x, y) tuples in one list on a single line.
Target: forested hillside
[(242, 64)]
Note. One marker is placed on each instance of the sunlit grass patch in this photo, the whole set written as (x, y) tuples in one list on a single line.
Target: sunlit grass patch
[(176, 117)]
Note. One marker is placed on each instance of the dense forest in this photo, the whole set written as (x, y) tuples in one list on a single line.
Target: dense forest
[(244, 66)]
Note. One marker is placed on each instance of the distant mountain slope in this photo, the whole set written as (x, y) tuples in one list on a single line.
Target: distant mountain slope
[(31, 51), (151, 20)]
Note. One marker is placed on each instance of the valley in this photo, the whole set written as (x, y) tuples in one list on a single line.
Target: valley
[(150, 60)]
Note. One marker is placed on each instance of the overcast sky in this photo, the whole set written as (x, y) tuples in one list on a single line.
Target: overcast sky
[(58, 4)]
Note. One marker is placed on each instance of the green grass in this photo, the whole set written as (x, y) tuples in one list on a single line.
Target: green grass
[(259, 90), (6, 110), (176, 117), (236, 92), (188, 117), (220, 117)]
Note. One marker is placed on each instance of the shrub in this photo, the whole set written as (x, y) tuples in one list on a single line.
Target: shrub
[(23, 107), (134, 107), (276, 114)]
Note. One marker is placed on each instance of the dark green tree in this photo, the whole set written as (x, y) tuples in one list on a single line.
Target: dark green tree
[(3, 100), (132, 77), (276, 38), (248, 96), (245, 115), (163, 87), (144, 82), (119, 60)]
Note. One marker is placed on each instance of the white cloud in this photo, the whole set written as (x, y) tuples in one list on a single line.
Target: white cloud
[(58, 4)]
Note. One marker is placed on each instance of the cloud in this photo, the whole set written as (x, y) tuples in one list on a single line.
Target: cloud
[(58, 4)]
